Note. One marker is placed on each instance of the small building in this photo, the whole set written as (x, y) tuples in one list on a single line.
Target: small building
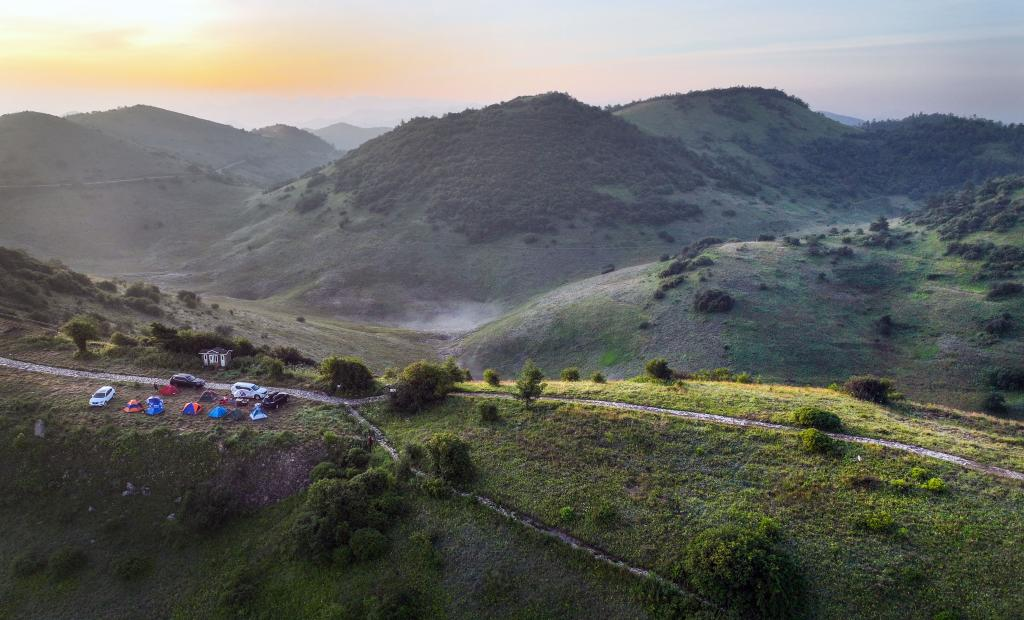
[(216, 358)]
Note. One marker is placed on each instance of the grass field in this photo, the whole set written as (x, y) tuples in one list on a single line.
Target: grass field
[(642, 486)]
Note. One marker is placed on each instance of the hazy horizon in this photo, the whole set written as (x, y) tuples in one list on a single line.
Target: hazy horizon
[(314, 62)]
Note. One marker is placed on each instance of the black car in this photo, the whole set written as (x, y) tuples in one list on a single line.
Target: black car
[(274, 400), (183, 380)]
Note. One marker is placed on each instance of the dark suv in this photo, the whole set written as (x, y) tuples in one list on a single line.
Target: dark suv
[(273, 400), (183, 380)]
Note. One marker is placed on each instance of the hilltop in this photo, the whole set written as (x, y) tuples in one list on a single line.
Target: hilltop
[(346, 137), (531, 193), (261, 157), (900, 302)]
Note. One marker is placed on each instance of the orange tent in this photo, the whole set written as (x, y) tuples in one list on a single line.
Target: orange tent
[(133, 406), (191, 409)]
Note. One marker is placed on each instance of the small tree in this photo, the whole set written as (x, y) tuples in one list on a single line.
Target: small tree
[(422, 383), (994, 403), (597, 377), (345, 374), (81, 329), (530, 383), (449, 458), (658, 369), (571, 374), (491, 377)]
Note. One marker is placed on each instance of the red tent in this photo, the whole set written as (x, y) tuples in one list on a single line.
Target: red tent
[(168, 390)]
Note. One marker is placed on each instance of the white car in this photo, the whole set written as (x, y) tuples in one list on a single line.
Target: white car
[(102, 397), (248, 390)]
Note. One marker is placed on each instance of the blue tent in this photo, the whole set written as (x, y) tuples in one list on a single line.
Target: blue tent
[(154, 405), (218, 412), (258, 413), (192, 408)]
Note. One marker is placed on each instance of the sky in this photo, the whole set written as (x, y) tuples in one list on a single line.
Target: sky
[(312, 62)]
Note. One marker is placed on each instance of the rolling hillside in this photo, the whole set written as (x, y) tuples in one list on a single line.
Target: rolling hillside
[(911, 306), (261, 157), (346, 137), (449, 221)]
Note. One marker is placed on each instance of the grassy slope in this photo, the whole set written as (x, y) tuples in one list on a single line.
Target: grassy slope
[(658, 482), (464, 561), (798, 329)]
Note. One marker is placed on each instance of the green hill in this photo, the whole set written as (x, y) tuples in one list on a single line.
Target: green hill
[(904, 304), (261, 157), (346, 137), (447, 222)]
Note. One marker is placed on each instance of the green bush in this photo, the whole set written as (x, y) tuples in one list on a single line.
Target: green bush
[(935, 485), (422, 383), (65, 562), (27, 564), (416, 453), (713, 301), (347, 375), (209, 506), (367, 544), (488, 412), (567, 514), (529, 384), (745, 569), (133, 567), (658, 369), (869, 388), (450, 460), (81, 329), (994, 403), (597, 378), (879, 521), (357, 458), (1011, 379), (815, 417), (121, 340), (324, 471), (189, 298), (491, 377), (571, 374), (814, 441), (1004, 290)]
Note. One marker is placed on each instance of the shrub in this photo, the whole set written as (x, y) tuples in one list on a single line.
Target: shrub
[(766, 237), (745, 569), (814, 441), (1000, 326), (81, 329), (567, 514), (416, 452), (449, 456), (310, 201), (348, 375), (994, 403), (208, 506), (491, 377), (1004, 290), (107, 285), (121, 340), (143, 291), (869, 388), (817, 418), (658, 369), (132, 567), (65, 562), (1007, 379), (713, 301), (597, 378), (323, 471), (880, 521), (270, 367), (422, 383), (189, 298), (529, 385), (367, 544), (571, 374), (935, 485), (488, 412)]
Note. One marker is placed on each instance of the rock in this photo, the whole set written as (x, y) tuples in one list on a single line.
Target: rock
[(40, 429)]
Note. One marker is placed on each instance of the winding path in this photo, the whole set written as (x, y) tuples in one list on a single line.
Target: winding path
[(312, 395), (93, 183)]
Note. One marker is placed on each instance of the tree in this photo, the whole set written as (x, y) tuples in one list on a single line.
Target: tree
[(530, 383), (491, 377), (81, 329), (345, 374), (658, 369)]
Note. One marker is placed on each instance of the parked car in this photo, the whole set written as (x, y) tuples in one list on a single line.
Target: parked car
[(243, 389), (183, 380), (275, 400), (102, 397)]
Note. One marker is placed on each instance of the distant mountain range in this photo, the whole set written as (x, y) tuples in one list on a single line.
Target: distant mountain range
[(852, 121), (346, 137)]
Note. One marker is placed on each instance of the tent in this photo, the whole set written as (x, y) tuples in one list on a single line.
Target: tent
[(154, 405), (258, 414), (192, 409), (236, 415), (218, 412), (208, 396), (168, 390), (133, 406)]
